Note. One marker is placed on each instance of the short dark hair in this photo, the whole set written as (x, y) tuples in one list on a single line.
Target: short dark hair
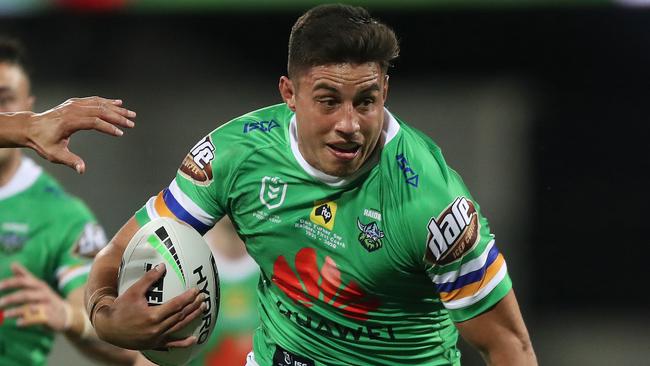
[(337, 33), (13, 52)]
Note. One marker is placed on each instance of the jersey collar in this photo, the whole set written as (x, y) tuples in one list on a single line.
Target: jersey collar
[(27, 173), (389, 130)]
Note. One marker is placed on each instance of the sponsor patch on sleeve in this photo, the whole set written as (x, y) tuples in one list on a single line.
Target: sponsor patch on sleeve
[(91, 241), (196, 165), (453, 233)]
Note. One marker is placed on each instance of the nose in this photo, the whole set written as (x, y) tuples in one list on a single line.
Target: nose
[(348, 123)]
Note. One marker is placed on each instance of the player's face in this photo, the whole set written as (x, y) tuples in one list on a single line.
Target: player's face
[(339, 112), (14, 96)]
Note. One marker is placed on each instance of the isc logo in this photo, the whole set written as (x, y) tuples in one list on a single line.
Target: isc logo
[(264, 126), (412, 177), (454, 232)]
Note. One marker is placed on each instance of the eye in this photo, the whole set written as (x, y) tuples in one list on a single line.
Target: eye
[(327, 102), (368, 101)]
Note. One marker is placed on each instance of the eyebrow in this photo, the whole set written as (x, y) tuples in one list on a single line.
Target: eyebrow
[(370, 88), (326, 87)]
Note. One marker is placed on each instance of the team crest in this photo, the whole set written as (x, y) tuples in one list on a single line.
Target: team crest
[(272, 192), (91, 241), (370, 236), (323, 214), (13, 237), (196, 165)]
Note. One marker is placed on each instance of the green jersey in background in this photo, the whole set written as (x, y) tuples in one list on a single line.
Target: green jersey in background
[(53, 235)]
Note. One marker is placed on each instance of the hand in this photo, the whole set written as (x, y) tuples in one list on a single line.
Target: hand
[(40, 305), (50, 131), (129, 322)]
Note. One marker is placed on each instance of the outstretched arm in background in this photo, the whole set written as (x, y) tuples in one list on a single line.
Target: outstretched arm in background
[(49, 133)]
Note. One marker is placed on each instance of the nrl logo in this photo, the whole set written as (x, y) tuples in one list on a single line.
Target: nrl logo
[(272, 192), (370, 236)]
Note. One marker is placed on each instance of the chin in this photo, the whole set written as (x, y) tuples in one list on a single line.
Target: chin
[(342, 170)]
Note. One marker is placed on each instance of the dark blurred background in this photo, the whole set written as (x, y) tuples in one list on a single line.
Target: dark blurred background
[(542, 106)]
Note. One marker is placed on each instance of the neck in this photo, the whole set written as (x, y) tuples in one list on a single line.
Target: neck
[(9, 166)]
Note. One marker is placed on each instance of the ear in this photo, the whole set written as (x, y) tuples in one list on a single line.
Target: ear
[(288, 92), (385, 91)]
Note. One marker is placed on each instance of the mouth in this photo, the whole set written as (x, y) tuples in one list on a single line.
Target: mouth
[(345, 151)]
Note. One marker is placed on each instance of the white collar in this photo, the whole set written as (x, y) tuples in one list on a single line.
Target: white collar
[(389, 130), (24, 177)]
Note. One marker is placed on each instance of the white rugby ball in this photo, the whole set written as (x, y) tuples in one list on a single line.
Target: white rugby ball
[(189, 263)]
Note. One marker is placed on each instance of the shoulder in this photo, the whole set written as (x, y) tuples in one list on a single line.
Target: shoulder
[(266, 125), (61, 208), (415, 159), (237, 139)]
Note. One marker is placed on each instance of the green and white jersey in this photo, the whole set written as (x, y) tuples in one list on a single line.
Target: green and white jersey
[(53, 235), (371, 269)]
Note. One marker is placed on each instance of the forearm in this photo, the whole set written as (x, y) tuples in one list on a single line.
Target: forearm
[(14, 129), (510, 351), (101, 287), (103, 352), (500, 335)]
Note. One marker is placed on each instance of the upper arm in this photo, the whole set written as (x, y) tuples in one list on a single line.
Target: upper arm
[(500, 334), (78, 238)]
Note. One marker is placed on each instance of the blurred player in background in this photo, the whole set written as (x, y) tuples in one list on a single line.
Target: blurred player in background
[(371, 249), (232, 337), (47, 241)]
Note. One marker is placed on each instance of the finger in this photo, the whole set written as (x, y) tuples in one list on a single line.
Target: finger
[(22, 297), (182, 343), (19, 270), (67, 157), (123, 112), (142, 285), (184, 313), (18, 282), (111, 113), (109, 110), (177, 304), (33, 315), (14, 312), (184, 321), (92, 123)]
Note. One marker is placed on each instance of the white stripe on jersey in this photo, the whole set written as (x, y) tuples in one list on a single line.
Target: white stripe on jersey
[(151, 209), (189, 205), (466, 268), (470, 300), (66, 275), (250, 359)]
